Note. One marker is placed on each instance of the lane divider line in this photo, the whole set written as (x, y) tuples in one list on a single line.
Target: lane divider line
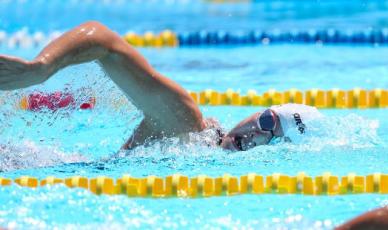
[(227, 185), (333, 99), (169, 38)]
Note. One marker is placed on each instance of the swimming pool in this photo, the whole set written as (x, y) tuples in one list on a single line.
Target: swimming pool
[(67, 142)]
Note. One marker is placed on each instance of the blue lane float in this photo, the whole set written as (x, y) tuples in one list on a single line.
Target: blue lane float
[(329, 36)]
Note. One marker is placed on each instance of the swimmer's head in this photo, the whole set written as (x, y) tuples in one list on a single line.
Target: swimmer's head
[(258, 129)]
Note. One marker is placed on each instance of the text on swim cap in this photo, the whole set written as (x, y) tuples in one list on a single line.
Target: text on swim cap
[(299, 123)]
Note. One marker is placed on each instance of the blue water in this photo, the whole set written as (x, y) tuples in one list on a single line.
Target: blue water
[(66, 142), (178, 15), (60, 143)]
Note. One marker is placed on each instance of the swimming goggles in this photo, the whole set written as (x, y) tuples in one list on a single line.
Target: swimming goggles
[(267, 121)]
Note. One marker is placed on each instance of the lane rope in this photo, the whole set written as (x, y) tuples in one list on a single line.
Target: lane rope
[(327, 36), (169, 38), (334, 99), (227, 185)]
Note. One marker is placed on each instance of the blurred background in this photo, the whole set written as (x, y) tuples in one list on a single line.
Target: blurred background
[(194, 15)]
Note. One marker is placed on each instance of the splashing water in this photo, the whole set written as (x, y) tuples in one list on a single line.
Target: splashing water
[(63, 136), (349, 131), (29, 155)]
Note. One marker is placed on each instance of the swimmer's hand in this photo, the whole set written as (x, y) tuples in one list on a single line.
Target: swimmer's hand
[(17, 73)]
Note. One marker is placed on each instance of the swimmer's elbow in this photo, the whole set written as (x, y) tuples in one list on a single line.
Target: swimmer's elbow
[(92, 23), (98, 31), (106, 40)]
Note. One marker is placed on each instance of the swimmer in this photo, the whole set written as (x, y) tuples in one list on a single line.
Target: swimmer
[(376, 219), (168, 109)]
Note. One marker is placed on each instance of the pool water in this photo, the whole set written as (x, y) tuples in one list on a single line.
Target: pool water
[(178, 15), (78, 142), (60, 143)]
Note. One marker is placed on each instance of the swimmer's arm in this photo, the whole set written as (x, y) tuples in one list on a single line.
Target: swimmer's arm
[(90, 41), (163, 102), (79, 45)]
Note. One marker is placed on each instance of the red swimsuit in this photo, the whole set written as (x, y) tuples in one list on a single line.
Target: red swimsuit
[(53, 101)]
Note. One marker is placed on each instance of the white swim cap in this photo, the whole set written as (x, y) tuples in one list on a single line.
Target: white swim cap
[(295, 118)]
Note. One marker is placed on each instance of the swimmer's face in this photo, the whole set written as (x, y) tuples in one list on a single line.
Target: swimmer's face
[(246, 135)]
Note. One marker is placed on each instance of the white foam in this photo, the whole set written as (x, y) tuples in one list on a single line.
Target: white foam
[(350, 131), (30, 155)]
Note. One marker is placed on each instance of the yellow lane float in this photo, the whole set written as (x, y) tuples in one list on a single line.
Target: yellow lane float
[(205, 186)]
